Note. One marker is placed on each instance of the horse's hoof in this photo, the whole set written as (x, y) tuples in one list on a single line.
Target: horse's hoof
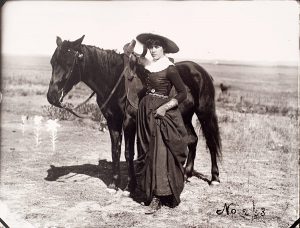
[(214, 183), (113, 186), (126, 193)]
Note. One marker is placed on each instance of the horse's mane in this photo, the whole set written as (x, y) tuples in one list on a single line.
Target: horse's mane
[(107, 60)]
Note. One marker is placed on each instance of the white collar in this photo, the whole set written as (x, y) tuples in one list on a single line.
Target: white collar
[(159, 65)]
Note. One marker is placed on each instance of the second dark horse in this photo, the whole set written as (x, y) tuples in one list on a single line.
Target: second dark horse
[(101, 70)]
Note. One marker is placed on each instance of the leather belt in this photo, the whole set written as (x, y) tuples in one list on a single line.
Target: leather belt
[(157, 95)]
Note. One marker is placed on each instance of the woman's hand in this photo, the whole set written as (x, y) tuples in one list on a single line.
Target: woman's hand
[(160, 112)]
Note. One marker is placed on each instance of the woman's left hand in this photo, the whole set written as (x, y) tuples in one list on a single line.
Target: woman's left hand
[(161, 111)]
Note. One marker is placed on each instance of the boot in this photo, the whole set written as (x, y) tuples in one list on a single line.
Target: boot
[(154, 206)]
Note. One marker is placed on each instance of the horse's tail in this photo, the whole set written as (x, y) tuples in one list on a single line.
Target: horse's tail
[(210, 129)]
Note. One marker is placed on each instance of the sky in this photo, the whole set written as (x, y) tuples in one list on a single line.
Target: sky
[(212, 30)]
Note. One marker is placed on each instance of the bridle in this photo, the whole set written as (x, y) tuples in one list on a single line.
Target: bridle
[(78, 57)]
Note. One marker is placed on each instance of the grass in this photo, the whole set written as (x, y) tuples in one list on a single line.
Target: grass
[(260, 164), (53, 112), (257, 104)]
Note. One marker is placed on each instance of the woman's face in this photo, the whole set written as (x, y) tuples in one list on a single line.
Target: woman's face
[(156, 52)]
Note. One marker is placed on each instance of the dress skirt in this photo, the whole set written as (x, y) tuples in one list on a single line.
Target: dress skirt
[(162, 150)]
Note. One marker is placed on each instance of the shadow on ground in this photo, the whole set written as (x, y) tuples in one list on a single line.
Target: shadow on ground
[(103, 171)]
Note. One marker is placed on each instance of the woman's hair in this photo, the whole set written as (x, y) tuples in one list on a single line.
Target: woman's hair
[(153, 42)]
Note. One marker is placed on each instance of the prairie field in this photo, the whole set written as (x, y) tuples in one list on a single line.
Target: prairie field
[(259, 169)]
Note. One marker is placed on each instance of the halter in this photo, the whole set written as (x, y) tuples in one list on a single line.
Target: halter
[(75, 61)]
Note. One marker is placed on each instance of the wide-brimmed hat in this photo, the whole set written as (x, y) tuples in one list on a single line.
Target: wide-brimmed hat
[(169, 45)]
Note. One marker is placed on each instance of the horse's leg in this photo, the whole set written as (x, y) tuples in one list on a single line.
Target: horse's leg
[(115, 131), (210, 128), (193, 140), (129, 126)]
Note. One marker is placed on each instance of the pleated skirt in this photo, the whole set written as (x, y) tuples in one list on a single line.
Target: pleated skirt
[(162, 150)]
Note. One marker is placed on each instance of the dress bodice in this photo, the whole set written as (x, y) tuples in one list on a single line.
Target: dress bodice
[(158, 82)]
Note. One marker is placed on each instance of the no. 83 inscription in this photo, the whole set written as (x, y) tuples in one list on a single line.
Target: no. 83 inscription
[(247, 213)]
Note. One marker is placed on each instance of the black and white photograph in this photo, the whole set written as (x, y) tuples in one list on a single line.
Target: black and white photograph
[(149, 114)]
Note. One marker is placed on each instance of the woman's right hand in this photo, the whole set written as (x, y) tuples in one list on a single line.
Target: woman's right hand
[(160, 112)]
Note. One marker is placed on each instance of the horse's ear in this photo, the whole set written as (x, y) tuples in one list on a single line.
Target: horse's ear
[(58, 41), (129, 47), (78, 42)]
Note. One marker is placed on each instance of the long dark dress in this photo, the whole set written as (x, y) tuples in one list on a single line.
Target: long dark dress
[(161, 142)]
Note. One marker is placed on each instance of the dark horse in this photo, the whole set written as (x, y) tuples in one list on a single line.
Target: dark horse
[(101, 70)]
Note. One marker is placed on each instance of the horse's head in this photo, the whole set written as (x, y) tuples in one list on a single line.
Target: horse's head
[(65, 69)]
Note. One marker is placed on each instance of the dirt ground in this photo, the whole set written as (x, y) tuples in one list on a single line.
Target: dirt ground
[(258, 171)]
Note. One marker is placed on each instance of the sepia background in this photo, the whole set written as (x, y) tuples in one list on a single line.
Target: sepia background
[(251, 47)]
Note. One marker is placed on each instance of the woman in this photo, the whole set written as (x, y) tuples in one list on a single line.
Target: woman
[(161, 142)]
